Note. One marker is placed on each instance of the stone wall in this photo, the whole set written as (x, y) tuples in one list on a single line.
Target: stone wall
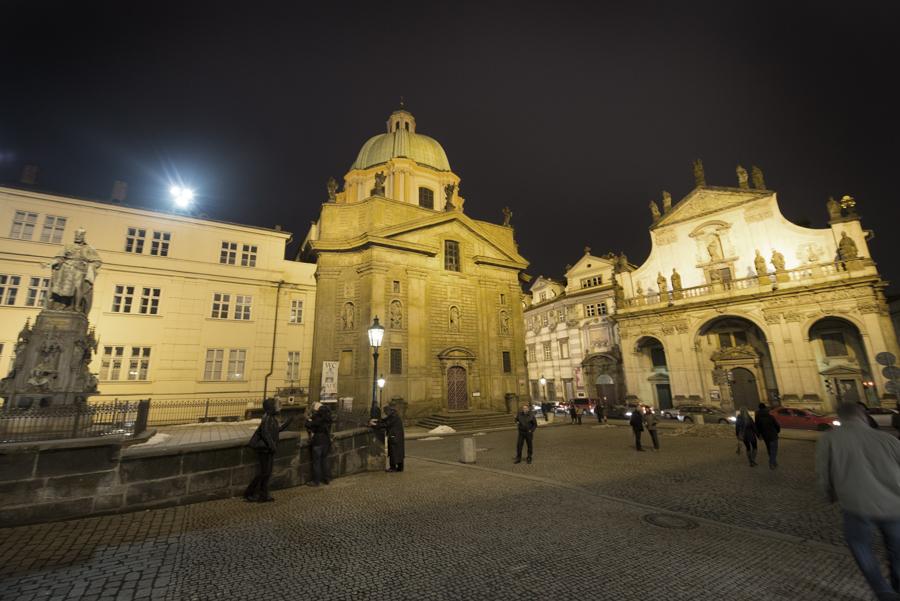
[(57, 480)]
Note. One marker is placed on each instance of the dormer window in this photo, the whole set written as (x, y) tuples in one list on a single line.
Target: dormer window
[(426, 198), (591, 282)]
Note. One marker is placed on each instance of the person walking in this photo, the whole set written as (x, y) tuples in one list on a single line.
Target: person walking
[(637, 426), (579, 412), (392, 424), (265, 442), (318, 426), (768, 430), (527, 425), (650, 422), (572, 413), (745, 430), (859, 467), (601, 413)]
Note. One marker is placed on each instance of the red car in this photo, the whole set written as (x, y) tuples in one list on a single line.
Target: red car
[(803, 419)]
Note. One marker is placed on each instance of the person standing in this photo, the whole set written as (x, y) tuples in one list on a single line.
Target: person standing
[(860, 468), (768, 430), (526, 425), (265, 442), (319, 428), (650, 422), (392, 424), (637, 426), (601, 413), (745, 430), (579, 413), (572, 413)]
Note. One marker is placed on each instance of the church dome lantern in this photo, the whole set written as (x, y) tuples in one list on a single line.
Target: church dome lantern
[(402, 141)]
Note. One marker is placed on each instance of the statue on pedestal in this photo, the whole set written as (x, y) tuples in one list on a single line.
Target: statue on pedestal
[(676, 280), (699, 174), (72, 279), (448, 196), (666, 201), (378, 190), (777, 260), (654, 210), (758, 182), (507, 216), (847, 248), (661, 283), (332, 186), (742, 177), (834, 209), (760, 264)]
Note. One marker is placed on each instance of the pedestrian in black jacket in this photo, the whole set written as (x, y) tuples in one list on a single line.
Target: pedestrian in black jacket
[(265, 442), (745, 430), (768, 430), (527, 425), (318, 426), (573, 413), (637, 426), (392, 424)]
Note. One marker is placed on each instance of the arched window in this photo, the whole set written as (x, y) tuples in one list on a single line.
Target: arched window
[(426, 198), (407, 125)]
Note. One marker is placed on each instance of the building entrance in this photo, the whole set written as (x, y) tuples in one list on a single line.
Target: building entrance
[(744, 389), (457, 390)]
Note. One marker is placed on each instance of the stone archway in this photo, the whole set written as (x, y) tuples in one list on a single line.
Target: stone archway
[(741, 373), (604, 378), (457, 366), (842, 361)]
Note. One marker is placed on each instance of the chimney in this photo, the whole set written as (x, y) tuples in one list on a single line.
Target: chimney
[(29, 174), (119, 191)]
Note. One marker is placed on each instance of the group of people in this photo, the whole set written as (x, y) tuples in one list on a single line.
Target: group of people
[(749, 429), (643, 418)]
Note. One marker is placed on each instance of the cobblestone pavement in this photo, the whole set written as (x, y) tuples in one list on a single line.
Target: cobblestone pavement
[(442, 530)]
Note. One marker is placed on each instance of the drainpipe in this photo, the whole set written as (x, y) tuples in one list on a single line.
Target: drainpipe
[(274, 334)]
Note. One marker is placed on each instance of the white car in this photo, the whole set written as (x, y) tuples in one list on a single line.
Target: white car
[(882, 416)]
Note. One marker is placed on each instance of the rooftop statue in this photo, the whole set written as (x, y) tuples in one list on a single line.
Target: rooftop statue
[(758, 182), (834, 208), (654, 210), (507, 216), (777, 260), (74, 271), (759, 262), (699, 175), (742, 177), (676, 280), (332, 189), (666, 201), (847, 248), (378, 190), (448, 196)]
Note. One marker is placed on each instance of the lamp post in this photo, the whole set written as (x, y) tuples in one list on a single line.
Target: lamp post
[(543, 382), (381, 383), (376, 334)]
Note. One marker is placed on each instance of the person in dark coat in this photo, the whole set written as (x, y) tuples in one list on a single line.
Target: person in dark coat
[(265, 442), (768, 430), (573, 413), (527, 425), (637, 426), (745, 430), (650, 422), (895, 423), (318, 426), (601, 413), (579, 412), (392, 424)]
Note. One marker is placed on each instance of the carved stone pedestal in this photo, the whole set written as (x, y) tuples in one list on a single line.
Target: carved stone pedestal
[(782, 276)]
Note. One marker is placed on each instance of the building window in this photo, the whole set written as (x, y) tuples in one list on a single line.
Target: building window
[(9, 288), (396, 361), (564, 348), (139, 363), (242, 305), (532, 355), (507, 363), (53, 229), (296, 312), (601, 308), (545, 319), (248, 255), (451, 255), (134, 240), (395, 286), (590, 310), (37, 292), (237, 359), (834, 344), (213, 368), (542, 296), (220, 305), (159, 246), (658, 356), (293, 366), (562, 314), (123, 297), (426, 198), (590, 282), (111, 362), (150, 301), (502, 298), (548, 352), (551, 390), (23, 225), (228, 254)]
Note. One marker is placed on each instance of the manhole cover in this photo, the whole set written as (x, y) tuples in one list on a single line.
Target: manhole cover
[(667, 520)]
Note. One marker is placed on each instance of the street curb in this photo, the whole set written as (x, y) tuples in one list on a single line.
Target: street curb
[(470, 432)]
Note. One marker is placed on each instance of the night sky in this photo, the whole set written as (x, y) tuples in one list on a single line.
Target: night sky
[(573, 114)]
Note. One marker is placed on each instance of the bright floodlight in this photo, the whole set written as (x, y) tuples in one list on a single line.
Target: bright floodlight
[(181, 196)]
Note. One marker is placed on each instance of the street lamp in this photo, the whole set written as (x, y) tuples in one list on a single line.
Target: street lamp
[(543, 382), (376, 333), (381, 383), (182, 197)]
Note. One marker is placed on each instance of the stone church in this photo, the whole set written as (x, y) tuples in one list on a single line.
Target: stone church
[(737, 305), (395, 243)]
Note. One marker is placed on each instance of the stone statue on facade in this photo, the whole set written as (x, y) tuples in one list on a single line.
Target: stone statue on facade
[(507, 216), (332, 187), (714, 248), (676, 280), (587, 250), (454, 319), (661, 283), (74, 270), (777, 260), (448, 196), (654, 210), (504, 322), (666, 201), (758, 182), (834, 209), (348, 316), (847, 248), (699, 174), (742, 177), (378, 190), (396, 315), (759, 262)]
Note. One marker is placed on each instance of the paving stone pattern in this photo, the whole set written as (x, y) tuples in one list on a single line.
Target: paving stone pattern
[(442, 530)]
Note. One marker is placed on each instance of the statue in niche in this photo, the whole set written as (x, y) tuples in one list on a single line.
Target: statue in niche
[(507, 216), (454, 319), (348, 316), (504, 322), (640, 290), (448, 196), (661, 283), (847, 248), (715, 277), (654, 210), (396, 315), (699, 174), (777, 260), (378, 190), (676, 280), (332, 186), (74, 270), (759, 262), (742, 177), (666, 201), (834, 209), (758, 182), (714, 248)]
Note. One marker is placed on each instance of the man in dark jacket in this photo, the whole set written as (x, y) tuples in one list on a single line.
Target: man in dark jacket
[(637, 426), (527, 425), (265, 442), (768, 430), (392, 425), (318, 426)]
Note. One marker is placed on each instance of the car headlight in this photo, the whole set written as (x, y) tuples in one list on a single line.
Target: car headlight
[(835, 422), (732, 419), (628, 414)]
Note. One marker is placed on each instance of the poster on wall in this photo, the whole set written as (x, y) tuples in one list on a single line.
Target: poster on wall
[(329, 381)]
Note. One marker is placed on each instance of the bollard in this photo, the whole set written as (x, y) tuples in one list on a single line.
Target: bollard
[(467, 450)]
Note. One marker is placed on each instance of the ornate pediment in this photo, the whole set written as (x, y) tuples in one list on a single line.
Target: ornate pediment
[(741, 352), (706, 201)]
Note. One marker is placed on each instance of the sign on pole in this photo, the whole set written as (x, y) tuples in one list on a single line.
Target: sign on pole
[(885, 358), (328, 391)]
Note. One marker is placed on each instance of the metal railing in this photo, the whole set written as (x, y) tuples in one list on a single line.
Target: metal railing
[(173, 412), (120, 418)]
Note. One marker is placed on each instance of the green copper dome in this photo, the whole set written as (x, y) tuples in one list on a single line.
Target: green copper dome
[(401, 140)]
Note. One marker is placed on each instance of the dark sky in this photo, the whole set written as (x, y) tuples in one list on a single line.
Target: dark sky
[(573, 114)]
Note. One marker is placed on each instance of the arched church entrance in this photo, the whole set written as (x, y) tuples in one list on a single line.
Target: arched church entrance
[(603, 373), (744, 389), (652, 359), (842, 360), (457, 391)]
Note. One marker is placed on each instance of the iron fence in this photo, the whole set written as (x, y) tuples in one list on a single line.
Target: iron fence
[(119, 418), (174, 412)]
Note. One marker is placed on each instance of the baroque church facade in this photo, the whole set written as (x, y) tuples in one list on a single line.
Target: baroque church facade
[(395, 243)]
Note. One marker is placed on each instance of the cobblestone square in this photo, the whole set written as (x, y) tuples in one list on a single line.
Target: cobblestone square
[(590, 519)]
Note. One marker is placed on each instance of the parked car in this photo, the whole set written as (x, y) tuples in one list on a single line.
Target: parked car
[(688, 413), (882, 416), (620, 411), (803, 419)]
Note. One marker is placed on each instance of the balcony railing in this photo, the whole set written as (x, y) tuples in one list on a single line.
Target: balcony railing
[(121, 418)]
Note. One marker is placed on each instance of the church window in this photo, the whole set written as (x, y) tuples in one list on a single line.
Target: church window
[(592, 281), (426, 198), (507, 363), (451, 255), (53, 229), (37, 292), (545, 319), (502, 299), (23, 225), (395, 286), (134, 240), (543, 296), (548, 351), (159, 246), (564, 348), (658, 356), (532, 355), (551, 390), (406, 125), (396, 361), (834, 344)]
